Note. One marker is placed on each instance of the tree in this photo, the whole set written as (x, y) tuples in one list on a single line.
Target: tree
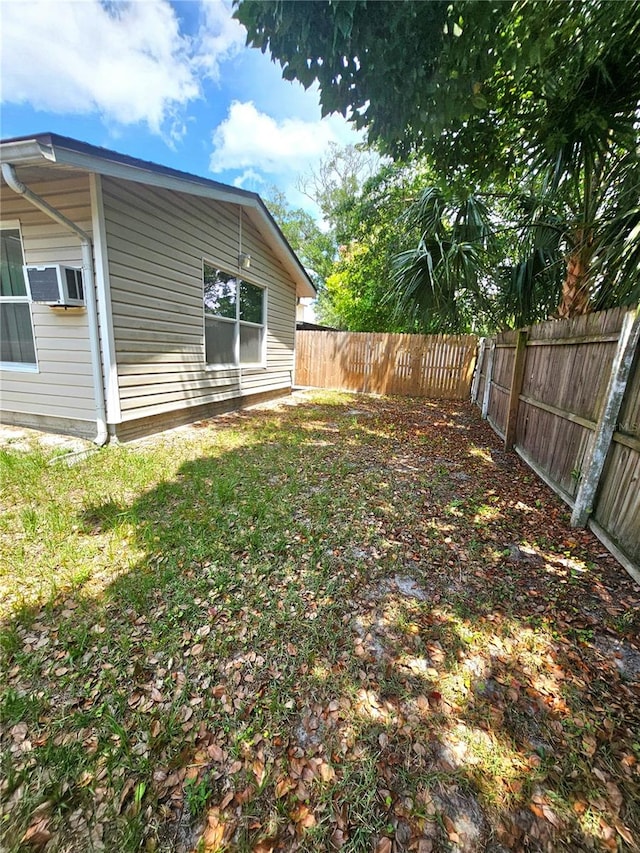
[(315, 248), (528, 92), (441, 283), (359, 295), (337, 181), (336, 186)]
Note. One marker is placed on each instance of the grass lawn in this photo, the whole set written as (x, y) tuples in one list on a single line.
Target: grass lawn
[(351, 623)]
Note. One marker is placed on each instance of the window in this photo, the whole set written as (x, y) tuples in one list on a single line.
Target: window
[(233, 319), (17, 347)]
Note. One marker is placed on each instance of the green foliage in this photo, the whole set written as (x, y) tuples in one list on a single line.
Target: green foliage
[(539, 99), (359, 295), (337, 182), (440, 283), (354, 295), (315, 248), (197, 793), (546, 75), (361, 53)]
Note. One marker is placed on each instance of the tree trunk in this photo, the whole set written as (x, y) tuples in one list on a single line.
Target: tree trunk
[(575, 288)]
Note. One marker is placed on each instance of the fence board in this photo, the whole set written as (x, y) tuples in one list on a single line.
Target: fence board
[(503, 359), (437, 366), (629, 417), (618, 507)]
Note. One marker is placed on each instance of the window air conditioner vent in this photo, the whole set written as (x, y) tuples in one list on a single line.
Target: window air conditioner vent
[(56, 285)]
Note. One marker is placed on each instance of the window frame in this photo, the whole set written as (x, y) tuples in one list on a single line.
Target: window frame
[(20, 366), (237, 323)]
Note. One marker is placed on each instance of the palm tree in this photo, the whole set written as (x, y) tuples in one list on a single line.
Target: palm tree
[(583, 148), (440, 284), (568, 128)]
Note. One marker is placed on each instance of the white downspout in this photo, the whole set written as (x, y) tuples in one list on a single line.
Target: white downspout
[(9, 174), (238, 298)]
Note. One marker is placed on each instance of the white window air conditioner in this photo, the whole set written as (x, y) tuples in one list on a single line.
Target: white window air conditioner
[(56, 285)]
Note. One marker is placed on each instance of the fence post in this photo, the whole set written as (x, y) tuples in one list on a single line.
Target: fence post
[(603, 435), (516, 388), (479, 365), (487, 379)]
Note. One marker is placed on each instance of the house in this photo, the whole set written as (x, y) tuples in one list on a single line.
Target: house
[(304, 326), (135, 297)]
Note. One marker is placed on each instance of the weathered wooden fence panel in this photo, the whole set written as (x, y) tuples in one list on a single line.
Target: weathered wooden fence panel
[(565, 383), (501, 381), (437, 366), (618, 506)]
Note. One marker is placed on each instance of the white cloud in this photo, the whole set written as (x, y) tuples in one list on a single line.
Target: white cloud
[(250, 139), (219, 38), (248, 176), (127, 61)]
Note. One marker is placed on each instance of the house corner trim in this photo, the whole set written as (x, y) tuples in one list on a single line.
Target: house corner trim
[(103, 292)]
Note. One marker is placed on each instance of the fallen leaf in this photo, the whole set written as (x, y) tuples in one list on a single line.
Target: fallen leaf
[(283, 786), (338, 839), (213, 834), (244, 796), (551, 816), (37, 835), (19, 732), (615, 796), (126, 790), (215, 752), (228, 797), (624, 833), (303, 817), (258, 771)]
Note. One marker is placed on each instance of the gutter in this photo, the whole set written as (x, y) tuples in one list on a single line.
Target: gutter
[(9, 174), (27, 151)]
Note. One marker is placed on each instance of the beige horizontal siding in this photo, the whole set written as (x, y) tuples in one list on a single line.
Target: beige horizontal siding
[(130, 373), (156, 241), (252, 383), (63, 386), (150, 405)]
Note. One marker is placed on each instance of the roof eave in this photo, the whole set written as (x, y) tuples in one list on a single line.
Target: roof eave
[(29, 151)]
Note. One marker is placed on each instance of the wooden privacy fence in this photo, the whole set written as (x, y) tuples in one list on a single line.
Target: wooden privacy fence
[(566, 395), (437, 366)]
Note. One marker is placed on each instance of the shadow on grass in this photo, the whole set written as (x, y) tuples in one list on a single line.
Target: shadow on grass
[(360, 623)]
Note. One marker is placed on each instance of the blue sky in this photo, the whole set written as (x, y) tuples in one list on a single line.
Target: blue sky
[(167, 81)]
